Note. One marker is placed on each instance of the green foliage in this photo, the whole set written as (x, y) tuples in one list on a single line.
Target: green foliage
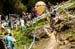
[(11, 6), (67, 5), (23, 37), (19, 7)]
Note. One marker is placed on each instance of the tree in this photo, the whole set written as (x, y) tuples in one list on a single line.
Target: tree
[(9, 6), (1, 6), (20, 7)]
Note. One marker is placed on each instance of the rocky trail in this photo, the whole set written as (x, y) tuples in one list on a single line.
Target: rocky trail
[(57, 40)]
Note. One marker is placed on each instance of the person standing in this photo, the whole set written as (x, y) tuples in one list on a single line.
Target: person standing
[(22, 23), (9, 41), (34, 13)]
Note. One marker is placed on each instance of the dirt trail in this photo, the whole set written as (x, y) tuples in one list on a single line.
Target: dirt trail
[(50, 43)]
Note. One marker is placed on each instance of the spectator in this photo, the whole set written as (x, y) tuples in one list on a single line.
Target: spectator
[(22, 23), (9, 40), (34, 13)]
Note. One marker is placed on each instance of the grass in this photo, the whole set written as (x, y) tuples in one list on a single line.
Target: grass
[(23, 37)]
